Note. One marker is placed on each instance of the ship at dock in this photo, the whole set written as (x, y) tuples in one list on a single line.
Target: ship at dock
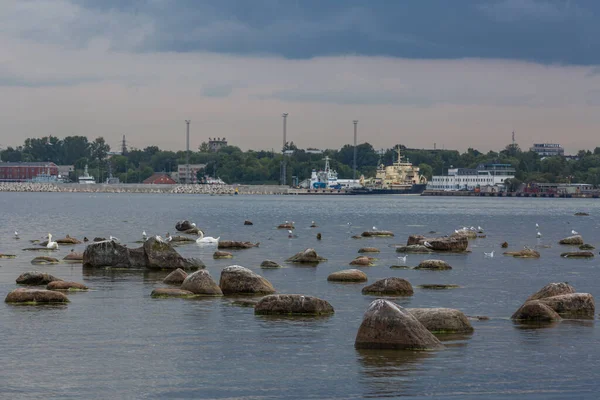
[(399, 178)]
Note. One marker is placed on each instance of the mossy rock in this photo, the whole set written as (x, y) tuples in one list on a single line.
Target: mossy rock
[(435, 286)]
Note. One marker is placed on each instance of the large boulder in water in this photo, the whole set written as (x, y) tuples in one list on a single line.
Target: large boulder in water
[(200, 282), (35, 296), (389, 287), (433, 265), (348, 275), (308, 256), (176, 277), (67, 286), (184, 225), (572, 240), (552, 289), (535, 311), (386, 325), (456, 244), (109, 253), (161, 255), (442, 320), (236, 279), (36, 278), (572, 305), (362, 261), (468, 233), (292, 304)]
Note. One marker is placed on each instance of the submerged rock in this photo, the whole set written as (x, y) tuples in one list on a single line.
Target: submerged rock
[(236, 279), (348, 275), (176, 277), (581, 214), (362, 261), (44, 260), (222, 254), (436, 286), (269, 264), (389, 287), (535, 310), (67, 286), (387, 325), (308, 256), (369, 250), (68, 240), (171, 292), (7, 255), (36, 278), (586, 247), (377, 234), (578, 254), (525, 253), (200, 282), (504, 245), (247, 222), (74, 257), (433, 264), (232, 244), (414, 249), (244, 303), (286, 226), (35, 296), (292, 304), (572, 240), (182, 239), (442, 320)]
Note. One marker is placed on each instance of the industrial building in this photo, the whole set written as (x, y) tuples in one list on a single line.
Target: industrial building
[(26, 171)]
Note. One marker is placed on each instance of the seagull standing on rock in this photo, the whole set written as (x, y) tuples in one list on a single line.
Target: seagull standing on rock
[(574, 232)]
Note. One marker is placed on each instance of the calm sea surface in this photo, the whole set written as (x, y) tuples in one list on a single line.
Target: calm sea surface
[(116, 342)]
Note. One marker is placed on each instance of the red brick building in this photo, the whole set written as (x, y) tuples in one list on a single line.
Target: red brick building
[(25, 171), (159, 179)]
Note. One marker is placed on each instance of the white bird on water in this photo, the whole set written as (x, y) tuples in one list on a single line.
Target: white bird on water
[(402, 259), (51, 244), (574, 232), (536, 225), (539, 234), (208, 239), (374, 228), (290, 234), (17, 235), (490, 255)]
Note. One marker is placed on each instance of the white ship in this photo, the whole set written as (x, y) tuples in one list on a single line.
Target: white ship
[(86, 178)]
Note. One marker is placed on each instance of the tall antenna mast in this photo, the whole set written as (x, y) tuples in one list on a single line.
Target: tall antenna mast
[(187, 151), (513, 138)]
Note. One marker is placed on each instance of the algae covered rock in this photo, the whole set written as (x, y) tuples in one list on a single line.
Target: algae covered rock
[(575, 240), (578, 254), (368, 250), (269, 264), (433, 265), (176, 277), (308, 256), (36, 278), (442, 320), (44, 260), (362, 261), (218, 255), (172, 292), (524, 253), (67, 286)]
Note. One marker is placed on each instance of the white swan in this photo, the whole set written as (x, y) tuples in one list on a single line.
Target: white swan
[(51, 244), (207, 239)]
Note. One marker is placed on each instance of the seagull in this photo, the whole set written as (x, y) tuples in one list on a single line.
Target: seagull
[(490, 255), (479, 228), (539, 234), (456, 231), (17, 235), (113, 239), (374, 228), (427, 244), (144, 236), (574, 232), (194, 224), (290, 234), (168, 237), (536, 225), (402, 259)]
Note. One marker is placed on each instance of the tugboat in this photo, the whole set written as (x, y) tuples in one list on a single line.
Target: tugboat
[(324, 179), (399, 178)]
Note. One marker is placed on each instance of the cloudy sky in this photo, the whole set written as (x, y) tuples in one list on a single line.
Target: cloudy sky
[(455, 73)]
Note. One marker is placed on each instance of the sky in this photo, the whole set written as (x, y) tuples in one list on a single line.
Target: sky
[(423, 73)]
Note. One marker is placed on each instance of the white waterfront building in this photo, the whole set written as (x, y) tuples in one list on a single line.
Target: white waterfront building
[(492, 175)]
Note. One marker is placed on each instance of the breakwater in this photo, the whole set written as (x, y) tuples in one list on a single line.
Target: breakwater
[(142, 188), (456, 193)]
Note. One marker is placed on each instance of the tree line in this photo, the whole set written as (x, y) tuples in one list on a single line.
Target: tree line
[(233, 165)]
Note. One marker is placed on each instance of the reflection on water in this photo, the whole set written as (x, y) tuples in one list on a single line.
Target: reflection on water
[(388, 373)]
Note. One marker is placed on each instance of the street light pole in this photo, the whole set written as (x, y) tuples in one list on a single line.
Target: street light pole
[(283, 164), (354, 163), (187, 152)]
